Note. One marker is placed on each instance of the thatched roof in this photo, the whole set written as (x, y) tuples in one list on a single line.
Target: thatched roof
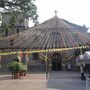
[(53, 33)]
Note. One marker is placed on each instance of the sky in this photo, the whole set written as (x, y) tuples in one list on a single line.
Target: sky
[(75, 11)]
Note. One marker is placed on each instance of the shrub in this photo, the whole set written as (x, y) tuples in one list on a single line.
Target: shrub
[(14, 66)]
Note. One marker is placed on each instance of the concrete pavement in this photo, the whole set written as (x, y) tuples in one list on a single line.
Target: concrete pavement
[(37, 81)]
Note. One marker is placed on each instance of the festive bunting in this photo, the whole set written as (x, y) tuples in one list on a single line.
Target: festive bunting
[(41, 51)]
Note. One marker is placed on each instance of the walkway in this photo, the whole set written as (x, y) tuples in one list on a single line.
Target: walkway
[(37, 81), (65, 81)]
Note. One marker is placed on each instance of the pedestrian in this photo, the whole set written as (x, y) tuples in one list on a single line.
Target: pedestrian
[(82, 72)]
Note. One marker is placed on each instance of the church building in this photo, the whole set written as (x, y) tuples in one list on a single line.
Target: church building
[(55, 40)]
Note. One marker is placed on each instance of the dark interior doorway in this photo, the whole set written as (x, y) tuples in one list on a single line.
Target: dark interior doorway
[(56, 62)]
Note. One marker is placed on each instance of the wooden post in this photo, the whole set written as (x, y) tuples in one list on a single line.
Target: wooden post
[(20, 56), (0, 60), (81, 51), (46, 66), (26, 58)]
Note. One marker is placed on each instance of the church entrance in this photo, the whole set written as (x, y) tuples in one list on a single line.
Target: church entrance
[(56, 62)]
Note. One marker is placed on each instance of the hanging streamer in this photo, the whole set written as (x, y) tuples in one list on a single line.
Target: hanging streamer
[(41, 51)]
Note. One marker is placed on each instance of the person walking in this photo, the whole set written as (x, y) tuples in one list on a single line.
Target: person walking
[(82, 72)]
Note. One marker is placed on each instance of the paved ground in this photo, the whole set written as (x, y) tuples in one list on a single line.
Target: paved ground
[(65, 81), (37, 81)]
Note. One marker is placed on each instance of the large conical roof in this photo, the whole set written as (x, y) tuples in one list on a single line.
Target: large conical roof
[(53, 33)]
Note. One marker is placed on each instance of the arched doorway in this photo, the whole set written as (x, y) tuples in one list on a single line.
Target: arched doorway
[(56, 62)]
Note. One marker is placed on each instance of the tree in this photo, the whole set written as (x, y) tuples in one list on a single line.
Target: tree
[(13, 7), (27, 7)]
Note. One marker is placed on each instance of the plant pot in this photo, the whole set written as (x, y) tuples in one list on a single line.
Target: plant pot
[(23, 73), (16, 75), (12, 75)]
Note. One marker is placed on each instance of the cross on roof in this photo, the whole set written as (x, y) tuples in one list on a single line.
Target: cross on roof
[(55, 12)]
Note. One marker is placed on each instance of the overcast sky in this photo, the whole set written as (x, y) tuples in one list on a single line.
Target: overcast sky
[(75, 11)]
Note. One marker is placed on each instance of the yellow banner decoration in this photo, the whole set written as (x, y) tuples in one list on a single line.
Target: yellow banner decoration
[(42, 51)]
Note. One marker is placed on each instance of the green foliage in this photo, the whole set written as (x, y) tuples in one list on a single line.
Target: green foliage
[(14, 7), (10, 26), (27, 7), (15, 66), (23, 67)]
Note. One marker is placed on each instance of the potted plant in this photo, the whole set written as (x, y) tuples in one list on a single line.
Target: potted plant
[(23, 70), (15, 68)]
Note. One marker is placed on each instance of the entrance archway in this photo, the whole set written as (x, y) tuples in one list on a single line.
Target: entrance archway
[(56, 62)]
